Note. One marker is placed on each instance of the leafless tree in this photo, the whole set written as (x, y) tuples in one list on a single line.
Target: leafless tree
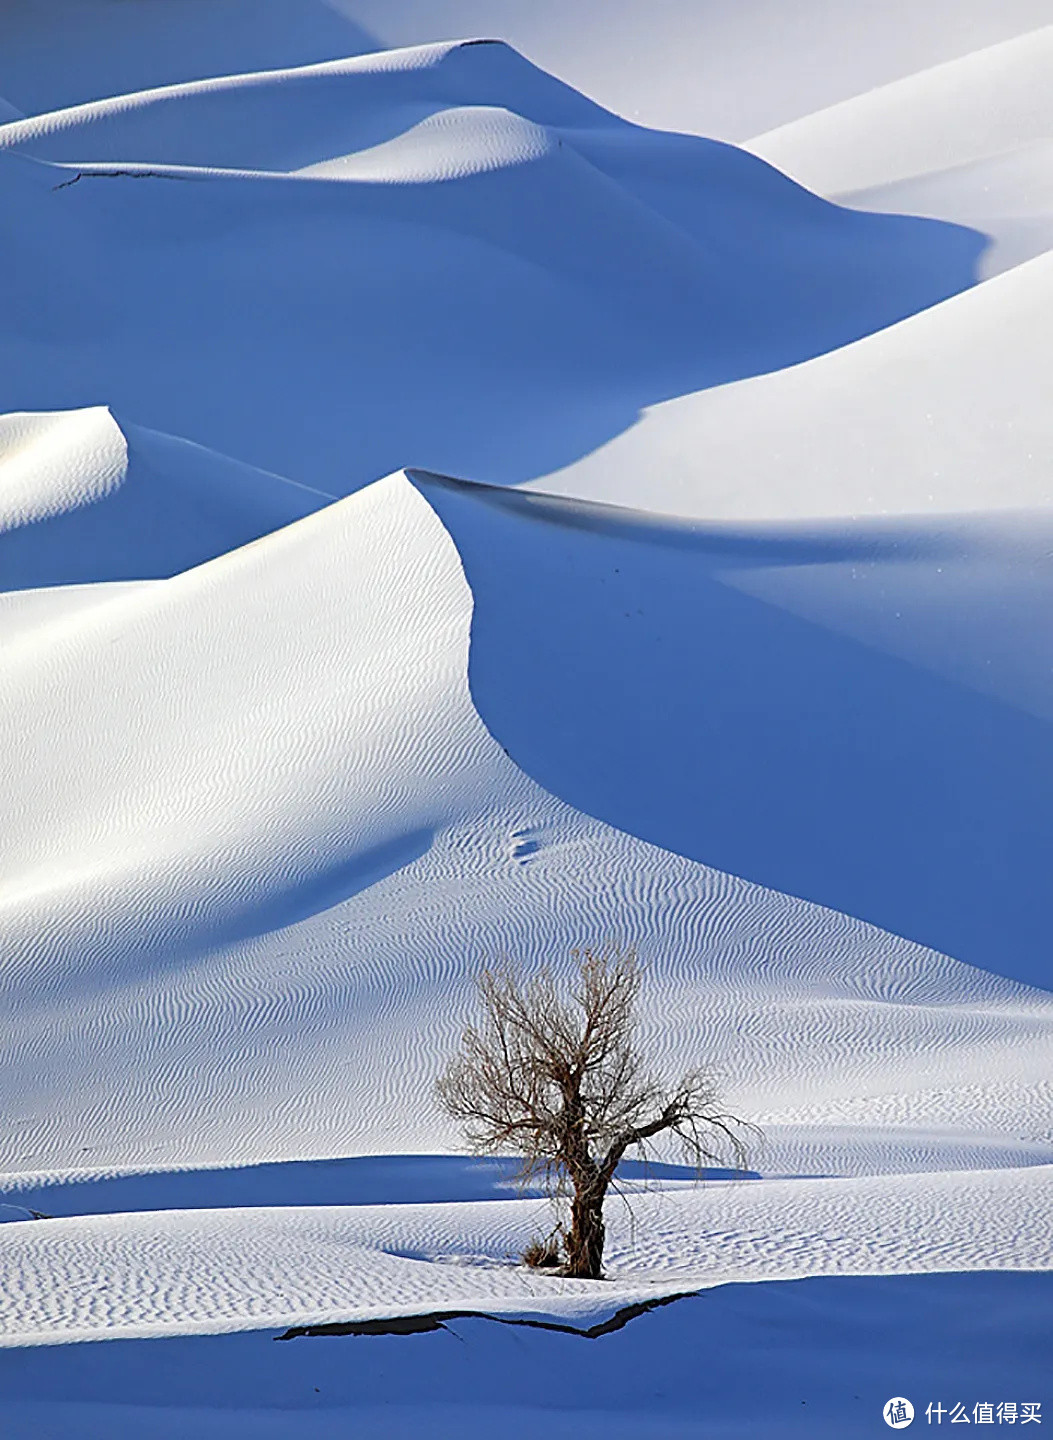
[(559, 1080)]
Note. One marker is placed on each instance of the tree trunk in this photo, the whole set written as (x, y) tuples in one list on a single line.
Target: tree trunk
[(585, 1240)]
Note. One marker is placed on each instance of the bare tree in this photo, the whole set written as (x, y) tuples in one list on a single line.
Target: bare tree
[(560, 1082)]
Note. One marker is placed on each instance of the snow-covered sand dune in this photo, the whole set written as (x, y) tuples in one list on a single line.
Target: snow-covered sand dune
[(968, 141), (445, 222), (878, 523), (972, 108), (208, 1271), (731, 70), (1008, 197), (941, 416), (687, 590), (245, 869), (83, 501), (852, 695)]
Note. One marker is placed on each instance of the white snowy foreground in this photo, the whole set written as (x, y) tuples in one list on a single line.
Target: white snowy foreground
[(180, 1272), (441, 519)]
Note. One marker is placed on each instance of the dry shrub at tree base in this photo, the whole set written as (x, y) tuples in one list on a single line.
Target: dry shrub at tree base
[(542, 1255), (557, 1078)]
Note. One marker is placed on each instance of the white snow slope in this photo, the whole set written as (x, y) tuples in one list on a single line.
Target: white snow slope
[(440, 519)]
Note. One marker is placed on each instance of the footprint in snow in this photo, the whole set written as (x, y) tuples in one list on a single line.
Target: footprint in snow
[(524, 844)]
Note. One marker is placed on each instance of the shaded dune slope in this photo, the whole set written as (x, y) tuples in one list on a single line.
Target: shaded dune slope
[(829, 1342), (61, 52), (1008, 197), (828, 769), (851, 555), (584, 264)]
